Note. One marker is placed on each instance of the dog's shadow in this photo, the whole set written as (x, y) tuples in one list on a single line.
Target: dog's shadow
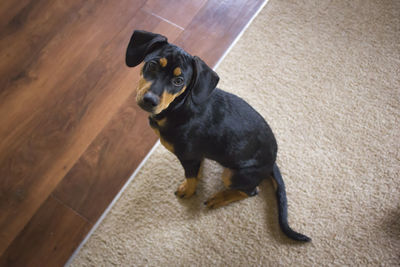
[(391, 224)]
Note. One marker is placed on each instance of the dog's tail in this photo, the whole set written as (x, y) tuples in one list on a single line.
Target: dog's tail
[(282, 207)]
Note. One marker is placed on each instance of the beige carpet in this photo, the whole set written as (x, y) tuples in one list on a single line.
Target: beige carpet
[(325, 75)]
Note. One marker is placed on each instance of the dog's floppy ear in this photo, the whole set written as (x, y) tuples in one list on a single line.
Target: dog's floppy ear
[(141, 44), (204, 81)]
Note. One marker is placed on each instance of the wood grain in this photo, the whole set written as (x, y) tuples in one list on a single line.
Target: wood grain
[(113, 156), (71, 133), (27, 33), (49, 239), (59, 121), (9, 9), (178, 12), (59, 64), (107, 163), (216, 26)]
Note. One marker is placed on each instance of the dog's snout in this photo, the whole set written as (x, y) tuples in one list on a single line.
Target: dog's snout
[(151, 99)]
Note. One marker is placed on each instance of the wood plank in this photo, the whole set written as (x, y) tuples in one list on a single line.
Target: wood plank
[(216, 26), (73, 88), (107, 163), (113, 156), (49, 239), (179, 12), (28, 32), (73, 107), (9, 9), (60, 63)]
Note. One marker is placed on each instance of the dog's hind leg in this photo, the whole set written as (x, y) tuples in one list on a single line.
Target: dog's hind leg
[(224, 198), (238, 188)]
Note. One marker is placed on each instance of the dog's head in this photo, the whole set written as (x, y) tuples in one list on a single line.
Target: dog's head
[(168, 72)]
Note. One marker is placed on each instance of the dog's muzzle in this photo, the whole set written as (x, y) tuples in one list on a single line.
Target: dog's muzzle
[(149, 101)]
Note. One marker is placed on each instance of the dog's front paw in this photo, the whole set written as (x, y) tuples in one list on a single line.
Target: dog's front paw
[(187, 188)]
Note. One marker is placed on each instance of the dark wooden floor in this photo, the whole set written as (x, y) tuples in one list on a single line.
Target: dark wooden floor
[(70, 131)]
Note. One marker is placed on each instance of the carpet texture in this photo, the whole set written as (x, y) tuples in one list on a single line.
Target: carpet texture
[(326, 76)]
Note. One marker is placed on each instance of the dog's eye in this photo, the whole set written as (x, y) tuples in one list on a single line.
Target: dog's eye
[(151, 66), (177, 81)]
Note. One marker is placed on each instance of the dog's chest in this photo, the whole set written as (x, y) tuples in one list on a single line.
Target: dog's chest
[(157, 126)]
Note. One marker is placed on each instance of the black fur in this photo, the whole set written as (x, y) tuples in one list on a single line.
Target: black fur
[(206, 122)]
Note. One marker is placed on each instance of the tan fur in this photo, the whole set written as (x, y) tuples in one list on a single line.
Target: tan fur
[(187, 188), (166, 144), (166, 99), (200, 174), (161, 123), (163, 62), (223, 198), (274, 183), (142, 88), (226, 177), (177, 71)]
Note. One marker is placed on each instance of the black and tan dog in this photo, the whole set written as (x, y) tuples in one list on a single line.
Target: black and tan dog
[(195, 120)]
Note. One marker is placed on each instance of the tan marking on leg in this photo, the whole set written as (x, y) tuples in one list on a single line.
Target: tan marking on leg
[(274, 183), (200, 173), (166, 144), (226, 177), (142, 88), (224, 198), (177, 71), (187, 188), (163, 62), (166, 100), (157, 132)]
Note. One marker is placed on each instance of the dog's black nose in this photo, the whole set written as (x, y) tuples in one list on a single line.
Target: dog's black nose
[(151, 99)]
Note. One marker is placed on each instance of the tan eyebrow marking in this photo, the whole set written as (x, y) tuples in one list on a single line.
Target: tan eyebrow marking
[(163, 62), (177, 71)]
